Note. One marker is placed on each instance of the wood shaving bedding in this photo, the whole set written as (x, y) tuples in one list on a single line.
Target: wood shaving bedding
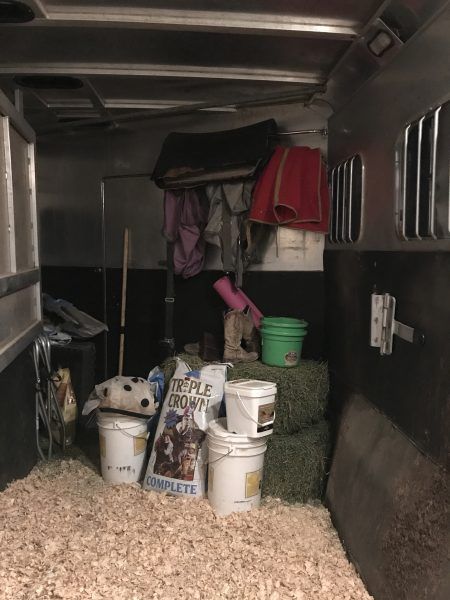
[(66, 534)]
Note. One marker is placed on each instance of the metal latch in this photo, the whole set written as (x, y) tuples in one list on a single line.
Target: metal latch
[(383, 325)]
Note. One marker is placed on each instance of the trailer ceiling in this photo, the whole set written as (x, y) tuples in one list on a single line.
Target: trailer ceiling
[(170, 56)]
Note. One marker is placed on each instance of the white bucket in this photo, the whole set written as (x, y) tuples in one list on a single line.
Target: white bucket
[(250, 407), (123, 442), (235, 469)]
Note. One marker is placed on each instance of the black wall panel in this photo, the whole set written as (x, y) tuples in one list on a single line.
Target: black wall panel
[(391, 506), (18, 453), (412, 386), (198, 308), (84, 288)]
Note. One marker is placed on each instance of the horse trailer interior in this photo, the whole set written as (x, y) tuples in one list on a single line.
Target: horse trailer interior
[(225, 276)]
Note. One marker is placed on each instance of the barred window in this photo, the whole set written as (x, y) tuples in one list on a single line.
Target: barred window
[(346, 201), (423, 207), (20, 311)]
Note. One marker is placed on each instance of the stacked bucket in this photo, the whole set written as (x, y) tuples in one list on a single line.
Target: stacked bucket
[(237, 445), (282, 340)]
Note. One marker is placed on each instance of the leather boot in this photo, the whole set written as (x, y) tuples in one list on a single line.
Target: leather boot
[(233, 328), (250, 334)]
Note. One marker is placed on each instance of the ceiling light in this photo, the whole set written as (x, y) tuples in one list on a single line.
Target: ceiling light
[(12, 11), (380, 43), (49, 82)]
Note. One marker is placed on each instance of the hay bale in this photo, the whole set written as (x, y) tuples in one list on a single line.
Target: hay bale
[(302, 390), (295, 465)]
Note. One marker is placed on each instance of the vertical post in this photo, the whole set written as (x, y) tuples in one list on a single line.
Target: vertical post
[(124, 299), (105, 311)]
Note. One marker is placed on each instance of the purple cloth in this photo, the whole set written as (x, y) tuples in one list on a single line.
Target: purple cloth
[(185, 218)]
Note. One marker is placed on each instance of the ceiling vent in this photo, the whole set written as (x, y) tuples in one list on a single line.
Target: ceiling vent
[(15, 12), (49, 82), (402, 19)]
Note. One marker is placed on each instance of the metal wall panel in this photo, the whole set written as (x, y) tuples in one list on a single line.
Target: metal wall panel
[(373, 120), (131, 203), (338, 10), (70, 170)]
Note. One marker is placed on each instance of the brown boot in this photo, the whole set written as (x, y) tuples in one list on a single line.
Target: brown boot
[(250, 334), (233, 327)]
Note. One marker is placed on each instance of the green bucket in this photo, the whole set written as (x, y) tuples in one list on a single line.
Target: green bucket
[(282, 340)]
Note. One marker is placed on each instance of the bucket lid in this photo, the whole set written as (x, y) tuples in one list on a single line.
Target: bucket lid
[(115, 421), (252, 388), (218, 429)]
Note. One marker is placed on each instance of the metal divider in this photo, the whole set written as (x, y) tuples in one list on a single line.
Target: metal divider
[(344, 198), (404, 182), (350, 201), (409, 224), (418, 177), (432, 206), (338, 202), (330, 235)]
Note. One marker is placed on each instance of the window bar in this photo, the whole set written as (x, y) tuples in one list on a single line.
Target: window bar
[(33, 207), (432, 207), (350, 201), (344, 199), (338, 191), (34, 221), (419, 164), (330, 235), (402, 215)]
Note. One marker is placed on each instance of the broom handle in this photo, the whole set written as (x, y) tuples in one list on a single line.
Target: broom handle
[(124, 299)]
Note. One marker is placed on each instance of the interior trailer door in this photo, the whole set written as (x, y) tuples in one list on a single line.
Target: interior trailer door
[(20, 294)]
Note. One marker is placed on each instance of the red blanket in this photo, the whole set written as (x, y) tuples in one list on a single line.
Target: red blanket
[(292, 191)]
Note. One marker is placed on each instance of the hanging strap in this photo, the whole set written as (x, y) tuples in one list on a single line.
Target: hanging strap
[(227, 257), (169, 300), (230, 264), (239, 267)]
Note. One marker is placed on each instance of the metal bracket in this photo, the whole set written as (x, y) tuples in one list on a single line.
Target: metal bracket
[(383, 325)]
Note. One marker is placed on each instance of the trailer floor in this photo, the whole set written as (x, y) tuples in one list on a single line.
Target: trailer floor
[(64, 533)]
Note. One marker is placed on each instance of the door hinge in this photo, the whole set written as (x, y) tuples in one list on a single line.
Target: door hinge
[(383, 325)]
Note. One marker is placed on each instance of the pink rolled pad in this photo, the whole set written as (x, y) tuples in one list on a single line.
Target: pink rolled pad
[(235, 298)]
